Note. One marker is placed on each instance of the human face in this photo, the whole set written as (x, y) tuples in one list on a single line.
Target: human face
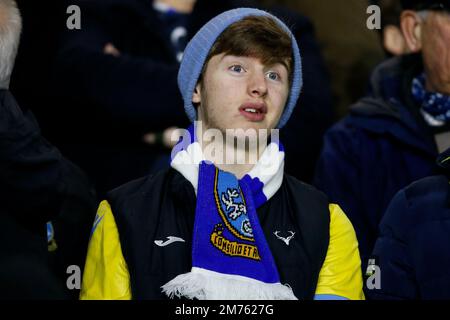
[(436, 51), (241, 93)]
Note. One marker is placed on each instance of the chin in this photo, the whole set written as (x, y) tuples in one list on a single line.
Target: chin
[(254, 125), (243, 124)]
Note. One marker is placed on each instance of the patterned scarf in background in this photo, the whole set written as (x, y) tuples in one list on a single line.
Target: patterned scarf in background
[(435, 107)]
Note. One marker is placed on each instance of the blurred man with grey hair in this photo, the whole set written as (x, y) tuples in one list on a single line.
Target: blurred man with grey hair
[(10, 28), (392, 136), (37, 185)]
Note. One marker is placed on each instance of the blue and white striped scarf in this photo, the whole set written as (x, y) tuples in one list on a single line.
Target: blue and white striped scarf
[(230, 255)]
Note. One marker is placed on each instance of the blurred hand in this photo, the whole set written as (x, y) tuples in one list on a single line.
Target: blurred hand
[(182, 6), (110, 49), (168, 138)]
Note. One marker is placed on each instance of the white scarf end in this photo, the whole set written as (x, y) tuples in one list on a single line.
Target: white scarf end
[(206, 286)]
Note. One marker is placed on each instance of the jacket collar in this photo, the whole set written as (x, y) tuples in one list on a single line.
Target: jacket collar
[(444, 160)]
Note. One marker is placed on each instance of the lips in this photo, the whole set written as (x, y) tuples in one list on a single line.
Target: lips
[(253, 111)]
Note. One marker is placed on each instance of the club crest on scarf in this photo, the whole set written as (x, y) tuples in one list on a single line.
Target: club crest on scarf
[(230, 203)]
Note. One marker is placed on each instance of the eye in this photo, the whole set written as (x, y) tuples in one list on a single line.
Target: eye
[(237, 68), (273, 76)]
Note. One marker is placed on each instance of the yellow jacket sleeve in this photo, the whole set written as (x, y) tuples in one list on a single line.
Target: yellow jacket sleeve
[(340, 277), (106, 274)]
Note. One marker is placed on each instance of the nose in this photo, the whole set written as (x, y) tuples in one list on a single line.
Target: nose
[(257, 85)]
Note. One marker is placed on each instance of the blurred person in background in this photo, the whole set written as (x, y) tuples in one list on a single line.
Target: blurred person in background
[(47, 203), (393, 135), (391, 33)]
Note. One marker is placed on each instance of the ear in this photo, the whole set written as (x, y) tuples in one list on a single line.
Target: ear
[(196, 95), (393, 40), (412, 25)]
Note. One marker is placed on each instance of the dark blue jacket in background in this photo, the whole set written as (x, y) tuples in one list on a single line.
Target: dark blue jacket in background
[(413, 248), (380, 147), (38, 184)]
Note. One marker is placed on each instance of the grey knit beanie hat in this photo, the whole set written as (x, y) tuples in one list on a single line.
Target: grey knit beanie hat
[(198, 48)]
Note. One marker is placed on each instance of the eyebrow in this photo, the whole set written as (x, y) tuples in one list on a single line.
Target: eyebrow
[(250, 57)]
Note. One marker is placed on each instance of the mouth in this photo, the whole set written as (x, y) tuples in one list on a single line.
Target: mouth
[(254, 112)]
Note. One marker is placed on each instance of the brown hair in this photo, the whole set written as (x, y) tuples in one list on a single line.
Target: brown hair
[(255, 36)]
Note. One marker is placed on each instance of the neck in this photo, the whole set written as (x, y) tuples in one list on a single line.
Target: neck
[(239, 170), (431, 85), (226, 154)]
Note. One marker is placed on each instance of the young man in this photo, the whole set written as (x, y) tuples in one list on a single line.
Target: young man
[(126, 55), (213, 229)]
